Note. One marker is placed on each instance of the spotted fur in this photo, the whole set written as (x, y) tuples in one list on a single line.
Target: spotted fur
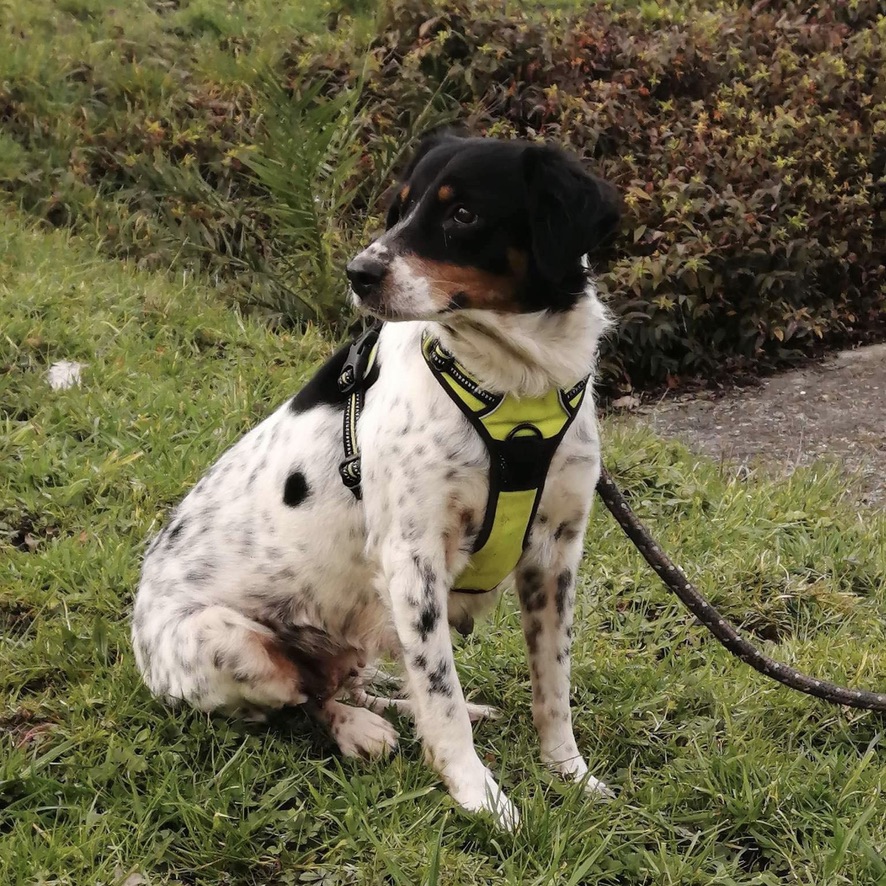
[(272, 585)]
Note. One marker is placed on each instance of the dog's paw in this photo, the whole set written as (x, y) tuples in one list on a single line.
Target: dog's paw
[(481, 793), (362, 733), (575, 769), (478, 712), (594, 788)]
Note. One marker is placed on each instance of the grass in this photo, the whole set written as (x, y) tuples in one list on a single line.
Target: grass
[(130, 122), (723, 777)]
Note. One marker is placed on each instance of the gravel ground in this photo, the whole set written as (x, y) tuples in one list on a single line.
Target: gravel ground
[(834, 412)]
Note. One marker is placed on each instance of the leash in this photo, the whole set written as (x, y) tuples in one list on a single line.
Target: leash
[(675, 579)]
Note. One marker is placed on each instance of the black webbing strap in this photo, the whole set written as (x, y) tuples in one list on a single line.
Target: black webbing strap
[(358, 373)]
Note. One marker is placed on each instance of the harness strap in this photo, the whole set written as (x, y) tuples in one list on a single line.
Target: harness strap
[(358, 373)]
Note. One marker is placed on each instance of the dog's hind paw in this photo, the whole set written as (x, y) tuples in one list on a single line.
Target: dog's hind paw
[(478, 712), (359, 732)]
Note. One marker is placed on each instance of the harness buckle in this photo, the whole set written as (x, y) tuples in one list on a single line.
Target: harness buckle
[(351, 475), (353, 370), (347, 378)]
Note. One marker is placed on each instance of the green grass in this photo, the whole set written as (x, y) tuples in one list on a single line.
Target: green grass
[(723, 777)]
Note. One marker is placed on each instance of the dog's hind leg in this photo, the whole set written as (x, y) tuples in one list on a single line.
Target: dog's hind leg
[(215, 658), (379, 678), (404, 706)]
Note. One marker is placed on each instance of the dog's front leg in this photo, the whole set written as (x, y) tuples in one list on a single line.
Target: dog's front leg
[(418, 582), (546, 588)]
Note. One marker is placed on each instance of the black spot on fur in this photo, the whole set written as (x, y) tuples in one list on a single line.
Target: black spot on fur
[(174, 532), (295, 490), (411, 529), (198, 576), (531, 590), (427, 573), (564, 584), (427, 621), (276, 610), (438, 680), (532, 633), (420, 662)]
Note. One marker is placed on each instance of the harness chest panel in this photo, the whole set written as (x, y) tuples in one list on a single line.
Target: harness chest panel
[(521, 436)]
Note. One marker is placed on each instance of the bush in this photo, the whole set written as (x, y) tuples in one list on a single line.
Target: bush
[(749, 144)]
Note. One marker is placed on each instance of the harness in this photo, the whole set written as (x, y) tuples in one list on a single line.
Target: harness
[(521, 436)]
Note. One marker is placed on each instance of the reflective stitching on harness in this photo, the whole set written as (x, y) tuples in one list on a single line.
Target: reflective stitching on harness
[(359, 371)]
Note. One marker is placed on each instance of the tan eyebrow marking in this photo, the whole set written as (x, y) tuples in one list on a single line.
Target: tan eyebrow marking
[(445, 194), (404, 193)]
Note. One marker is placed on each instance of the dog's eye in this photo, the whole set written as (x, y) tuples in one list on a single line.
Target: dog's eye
[(464, 216)]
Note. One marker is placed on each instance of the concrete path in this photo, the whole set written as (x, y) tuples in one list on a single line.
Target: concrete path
[(835, 411)]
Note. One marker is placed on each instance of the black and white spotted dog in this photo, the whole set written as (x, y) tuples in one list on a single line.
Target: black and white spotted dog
[(272, 585)]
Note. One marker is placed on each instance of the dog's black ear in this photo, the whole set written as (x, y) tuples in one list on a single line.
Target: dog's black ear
[(427, 141), (570, 212), (395, 207)]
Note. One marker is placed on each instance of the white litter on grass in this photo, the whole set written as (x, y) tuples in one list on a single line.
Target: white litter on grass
[(64, 374)]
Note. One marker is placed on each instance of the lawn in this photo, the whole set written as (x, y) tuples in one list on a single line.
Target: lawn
[(723, 777)]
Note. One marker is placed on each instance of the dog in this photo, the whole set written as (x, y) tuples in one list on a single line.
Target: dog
[(274, 585)]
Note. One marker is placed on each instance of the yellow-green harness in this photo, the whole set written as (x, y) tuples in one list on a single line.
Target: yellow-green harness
[(520, 434)]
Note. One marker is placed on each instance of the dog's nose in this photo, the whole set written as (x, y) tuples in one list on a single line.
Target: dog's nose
[(365, 273)]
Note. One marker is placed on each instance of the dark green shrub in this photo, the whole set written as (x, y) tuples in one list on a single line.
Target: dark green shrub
[(750, 147)]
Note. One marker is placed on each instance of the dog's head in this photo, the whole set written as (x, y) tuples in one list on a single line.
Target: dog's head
[(483, 224)]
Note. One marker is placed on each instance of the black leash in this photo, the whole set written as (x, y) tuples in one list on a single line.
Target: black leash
[(676, 581)]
